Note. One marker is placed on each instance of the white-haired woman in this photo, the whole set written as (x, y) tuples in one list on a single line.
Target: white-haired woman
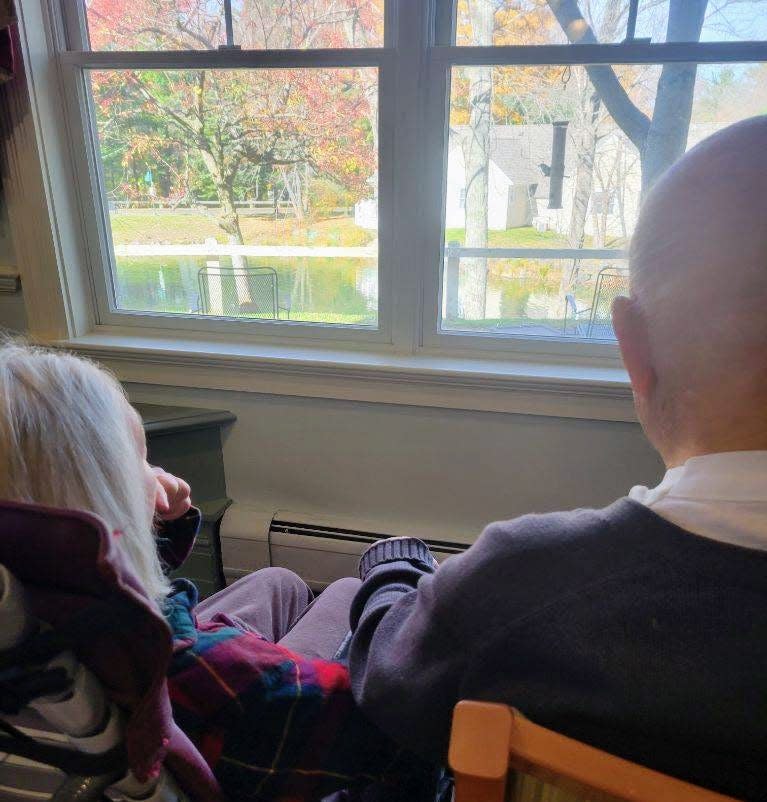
[(70, 439)]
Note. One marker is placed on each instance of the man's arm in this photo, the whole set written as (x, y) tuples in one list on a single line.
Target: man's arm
[(406, 661), (423, 639)]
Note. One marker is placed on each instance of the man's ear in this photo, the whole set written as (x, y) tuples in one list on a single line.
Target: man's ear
[(631, 330)]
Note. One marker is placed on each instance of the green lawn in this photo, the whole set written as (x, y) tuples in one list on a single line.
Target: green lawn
[(528, 237), (185, 227), (525, 237)]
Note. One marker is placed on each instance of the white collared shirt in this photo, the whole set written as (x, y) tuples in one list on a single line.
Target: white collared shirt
[(719, 496)]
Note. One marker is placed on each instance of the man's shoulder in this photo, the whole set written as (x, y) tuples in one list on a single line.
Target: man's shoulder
[(525, 560), (580, 529)]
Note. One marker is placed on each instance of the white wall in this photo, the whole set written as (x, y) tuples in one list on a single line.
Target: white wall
[(498, 193), (433, 472), (439, 473), (13, 315)]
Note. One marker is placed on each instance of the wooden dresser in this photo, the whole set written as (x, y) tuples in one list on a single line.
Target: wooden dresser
[(186, 441)]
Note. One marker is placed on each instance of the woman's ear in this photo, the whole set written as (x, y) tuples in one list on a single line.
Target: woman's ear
[(633, 337)]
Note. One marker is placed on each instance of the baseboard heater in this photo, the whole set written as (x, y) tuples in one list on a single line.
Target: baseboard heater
[(322, 554), (318, 552)]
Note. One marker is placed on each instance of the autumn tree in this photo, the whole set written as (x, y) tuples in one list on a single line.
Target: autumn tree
[(590, 118), (236, 121), (482, 97), (472, 284)]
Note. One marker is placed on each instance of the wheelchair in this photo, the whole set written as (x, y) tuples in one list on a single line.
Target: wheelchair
[(84, 707)]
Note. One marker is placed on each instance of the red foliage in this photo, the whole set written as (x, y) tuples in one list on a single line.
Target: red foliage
[(236, 118)]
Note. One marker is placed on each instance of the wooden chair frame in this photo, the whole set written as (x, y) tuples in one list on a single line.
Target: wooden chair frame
[(489, 740)]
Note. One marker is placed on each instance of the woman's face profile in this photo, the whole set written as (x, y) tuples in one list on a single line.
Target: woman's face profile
[(139, 438)]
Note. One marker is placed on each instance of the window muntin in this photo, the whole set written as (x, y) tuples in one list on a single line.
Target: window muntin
[(156, 25), (241, 193)]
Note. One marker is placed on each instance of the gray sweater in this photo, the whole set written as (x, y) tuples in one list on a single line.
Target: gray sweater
[(612, 626)]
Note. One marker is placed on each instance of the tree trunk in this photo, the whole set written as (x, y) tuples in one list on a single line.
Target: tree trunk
[(661, 140), (667, 136), (591, 108), (584, 180), (472, 285), (584, 171), (229, 221)]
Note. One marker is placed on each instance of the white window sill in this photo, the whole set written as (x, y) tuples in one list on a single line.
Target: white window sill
[(534, 387)]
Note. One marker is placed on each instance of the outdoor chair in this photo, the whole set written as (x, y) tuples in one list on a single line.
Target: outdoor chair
[(497, 755), (595, 321), (84, 707), (577, 313), (252, 292)]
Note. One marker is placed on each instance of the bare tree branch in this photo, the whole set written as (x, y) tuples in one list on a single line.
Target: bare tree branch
[(634, 123)]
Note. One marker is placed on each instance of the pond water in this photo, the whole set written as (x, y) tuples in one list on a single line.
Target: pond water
[(317, 290), (546, 298), (523, 296)]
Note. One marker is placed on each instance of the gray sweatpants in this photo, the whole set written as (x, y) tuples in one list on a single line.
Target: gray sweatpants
[(279, 605)]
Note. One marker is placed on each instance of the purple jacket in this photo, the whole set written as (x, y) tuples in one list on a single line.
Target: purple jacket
[(264, 723), (130, 652)]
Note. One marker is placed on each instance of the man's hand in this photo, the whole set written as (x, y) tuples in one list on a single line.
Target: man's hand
[(173, 495), (432, 559), (394, 549)]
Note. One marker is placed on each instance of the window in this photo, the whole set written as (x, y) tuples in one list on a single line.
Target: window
[(438, 175), (231, 188), (233, 192), (528, 22), (206, 25), (552, 159)]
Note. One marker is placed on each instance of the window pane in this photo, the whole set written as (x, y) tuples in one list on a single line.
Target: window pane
[(526, 297), (533, 22), (155, 24), (242, 193), (258, 24), (724, 21), (544, 169), (308, 23)]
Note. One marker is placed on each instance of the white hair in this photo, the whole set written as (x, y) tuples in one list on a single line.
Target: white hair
[(66, 441)]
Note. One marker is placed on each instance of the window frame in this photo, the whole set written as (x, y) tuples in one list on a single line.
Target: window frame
[(76, 60), (414, 100), (442, 60)]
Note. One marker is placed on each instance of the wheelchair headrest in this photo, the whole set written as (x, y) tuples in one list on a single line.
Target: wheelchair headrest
[(72, 570)]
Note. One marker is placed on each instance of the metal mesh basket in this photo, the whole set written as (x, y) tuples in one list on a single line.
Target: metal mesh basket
[(251, 292)]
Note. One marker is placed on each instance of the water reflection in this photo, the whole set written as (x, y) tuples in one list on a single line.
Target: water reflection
[(318, 290), (547, 297)]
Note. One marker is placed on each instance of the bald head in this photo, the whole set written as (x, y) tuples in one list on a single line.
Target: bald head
[(699, 277), (700, 247)]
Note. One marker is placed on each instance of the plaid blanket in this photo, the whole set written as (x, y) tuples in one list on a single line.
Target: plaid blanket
[(272, 725)]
